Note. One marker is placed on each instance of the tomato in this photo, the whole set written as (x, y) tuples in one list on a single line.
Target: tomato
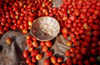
[(69, 61), (42, 43), (94, 52), (49, 53), (73, 55), (88, 38), (69, 21), (95, 39), (67, 53), (34, 52), (34, 39), (65, 35), (53, 59), (34, 59), (80, 62), (72, 49), (46, 62), (77, 43), (98, 43), (79, 56), (63, 64), (87, 62), (65, 30), (29, 42), (84, 51), (81, 31), (77, 12), (86, 44), (94, 45), (31, 48), (35, 44), (74, 61), (69, 43), (73, 40), (48, 43), (59, 59), (31, 64), (44, 48), (93, 59), (96, 27), (72, 17), (28, 60), (26, 54)]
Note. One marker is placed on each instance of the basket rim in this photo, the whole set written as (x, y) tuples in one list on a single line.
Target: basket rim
[(52, 36)]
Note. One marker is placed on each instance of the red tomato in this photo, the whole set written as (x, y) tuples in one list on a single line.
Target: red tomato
[(65, 30), (79, 56), (46, 62), (53, 59), (72, 17), (42, 43), (44, 48), (28, 60), (31, 48), (49, 53), (94, 52), (84, 51), (86, 44), (31, 64), (59, 59), (93, 59), (65, 36), (72, 49), (74, 61), (77, 43), (77, 51), (80, 62), (34, 59), (48, 43), (34, 52), (26, 54), (88, 39), (87, 62), (69, 61), (29, 42), (67, 53)]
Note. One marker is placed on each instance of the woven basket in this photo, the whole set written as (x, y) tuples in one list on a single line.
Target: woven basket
[(45, 28)]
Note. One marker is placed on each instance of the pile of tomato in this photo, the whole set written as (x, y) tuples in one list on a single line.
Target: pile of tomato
[(79, 19)]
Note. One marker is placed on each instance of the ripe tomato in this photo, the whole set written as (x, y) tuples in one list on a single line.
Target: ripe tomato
[(28, 60), (53, 59), (72, 49), (26, 54), (79, 56), (65, 31), (86, 44), (46, 62), (44, 48), (77, 43), (93, 59), (94, 52), (59, 59), (67, 53), (49, 53), (48, 43), (34, 59), (31, 48), (87, 62), (69, 61), (84, 51), (34, 52), (74, 61), (31, 64), (42, 43)]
